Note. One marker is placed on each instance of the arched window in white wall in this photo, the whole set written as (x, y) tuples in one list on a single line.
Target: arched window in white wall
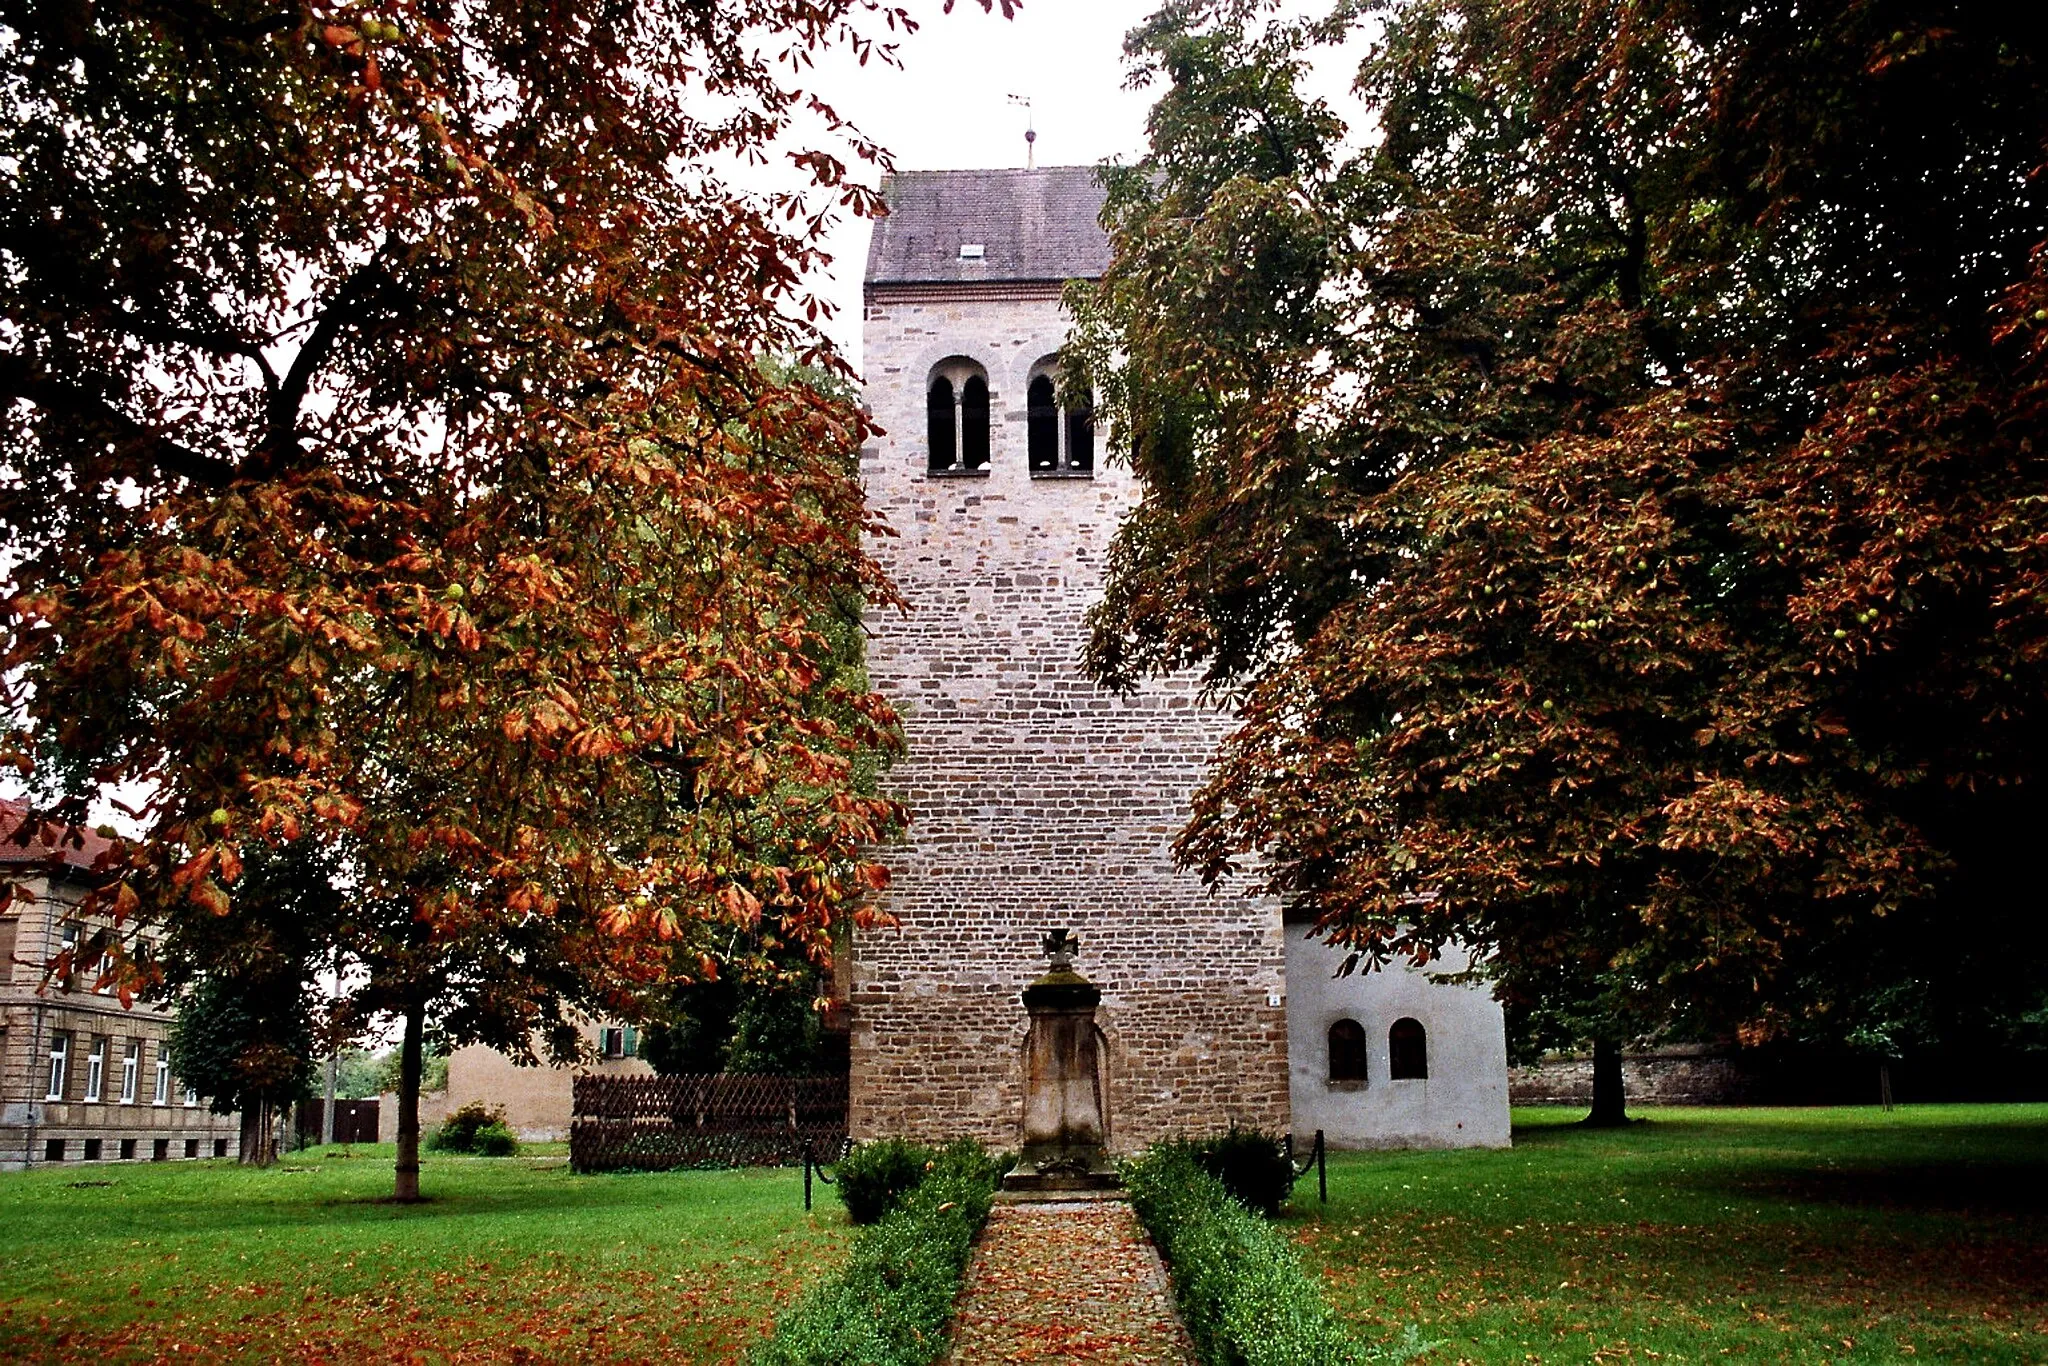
[(1060, 435), (1347, 1051), (1407, 1050), (956, 417)]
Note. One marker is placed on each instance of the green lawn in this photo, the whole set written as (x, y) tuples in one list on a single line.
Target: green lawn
[(1767, 1235), (510, 1259), (1703, 1235)]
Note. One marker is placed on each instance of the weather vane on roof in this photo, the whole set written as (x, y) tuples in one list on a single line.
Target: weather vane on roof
[(1030, 132)]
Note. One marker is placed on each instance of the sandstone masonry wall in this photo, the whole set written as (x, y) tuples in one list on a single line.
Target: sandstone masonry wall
[(1037, 799), (1677, 1074)]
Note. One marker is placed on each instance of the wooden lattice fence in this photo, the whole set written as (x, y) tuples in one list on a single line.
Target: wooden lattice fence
[(707, 1120)]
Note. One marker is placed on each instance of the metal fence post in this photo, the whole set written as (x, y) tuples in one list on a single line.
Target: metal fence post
[(1322, 1171), (807, 1176)]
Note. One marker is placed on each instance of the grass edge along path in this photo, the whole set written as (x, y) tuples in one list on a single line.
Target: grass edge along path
[(890, 1303), (1237, 1282)]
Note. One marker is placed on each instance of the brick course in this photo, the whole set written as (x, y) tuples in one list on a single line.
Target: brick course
[(1037, 799)]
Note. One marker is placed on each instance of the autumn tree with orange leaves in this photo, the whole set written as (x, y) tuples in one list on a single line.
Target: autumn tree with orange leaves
[(1604, 462), (393, 461)]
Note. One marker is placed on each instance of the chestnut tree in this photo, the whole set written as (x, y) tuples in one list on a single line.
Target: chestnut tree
[(395, 457), (1602, 465)]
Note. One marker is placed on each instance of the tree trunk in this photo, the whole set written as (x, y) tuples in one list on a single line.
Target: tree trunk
[(259, 1145), (410, 1066), (1609, 1110), (333, 1082)]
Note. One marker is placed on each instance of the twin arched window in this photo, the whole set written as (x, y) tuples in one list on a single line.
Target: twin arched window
[(1057, 441), (956, 417), (1407, 1051)]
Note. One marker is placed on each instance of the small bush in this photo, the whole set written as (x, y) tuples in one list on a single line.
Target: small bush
[(1252, 1166), (875, 1176), (888, 1306), (494, 1140), (1241, 1292), (474, 1129)]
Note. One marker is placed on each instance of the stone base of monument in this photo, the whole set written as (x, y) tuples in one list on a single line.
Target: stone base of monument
[(1119, 1196), (1062, 1170)]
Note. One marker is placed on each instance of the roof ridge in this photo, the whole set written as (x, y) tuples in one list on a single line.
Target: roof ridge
[(1000, 170)]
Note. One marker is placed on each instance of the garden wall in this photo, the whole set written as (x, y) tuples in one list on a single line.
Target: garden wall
[(1682, 1074), (1710, 1074), (706, 1120)]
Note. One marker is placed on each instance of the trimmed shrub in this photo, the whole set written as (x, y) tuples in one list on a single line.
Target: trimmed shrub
[(875, 1176), (474, 1129), (1252, 1166), (888, 1306), (1241, 1291), (494, 1140)]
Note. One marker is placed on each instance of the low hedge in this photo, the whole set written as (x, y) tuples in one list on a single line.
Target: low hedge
[(1240, 1289), (889, 1304), (1252, 1166), (875, 1176)]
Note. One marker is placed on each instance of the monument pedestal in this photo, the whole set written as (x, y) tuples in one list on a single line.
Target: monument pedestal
[(1065, 1124)]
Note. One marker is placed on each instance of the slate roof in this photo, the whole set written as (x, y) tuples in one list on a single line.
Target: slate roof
[(1033, 225)]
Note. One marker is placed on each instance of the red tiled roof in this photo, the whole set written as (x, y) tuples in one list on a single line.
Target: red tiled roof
[(47, 842)]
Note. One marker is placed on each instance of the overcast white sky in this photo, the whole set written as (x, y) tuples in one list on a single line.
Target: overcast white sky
[(947, 107)]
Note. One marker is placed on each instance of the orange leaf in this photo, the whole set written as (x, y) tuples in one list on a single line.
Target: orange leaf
[(208, 894)]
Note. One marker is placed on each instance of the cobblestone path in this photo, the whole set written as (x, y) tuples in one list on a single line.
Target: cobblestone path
[(1068, 1282)]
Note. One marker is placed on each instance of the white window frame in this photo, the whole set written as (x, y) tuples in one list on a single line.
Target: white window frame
[(103, 982), (163, 1080), (191, 1098), (131, 1071), (96, 1069), (60, 1066)]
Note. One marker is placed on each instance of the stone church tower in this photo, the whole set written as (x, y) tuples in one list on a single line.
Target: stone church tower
[(1038, 800)]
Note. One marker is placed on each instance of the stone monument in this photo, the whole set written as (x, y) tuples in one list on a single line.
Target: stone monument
[(1066, 1131)]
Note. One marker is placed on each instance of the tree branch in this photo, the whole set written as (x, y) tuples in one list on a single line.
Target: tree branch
[(97, 420), (281, 437), (214, 341)]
